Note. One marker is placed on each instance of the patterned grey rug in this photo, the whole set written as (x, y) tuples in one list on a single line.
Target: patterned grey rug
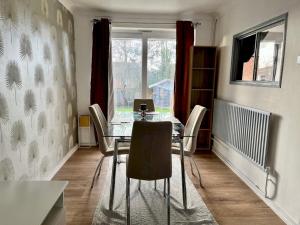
[(148, 206)]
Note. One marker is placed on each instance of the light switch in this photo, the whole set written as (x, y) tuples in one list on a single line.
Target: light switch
[(298, 59)]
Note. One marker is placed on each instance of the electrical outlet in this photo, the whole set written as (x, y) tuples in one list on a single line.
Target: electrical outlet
[(298, 59)]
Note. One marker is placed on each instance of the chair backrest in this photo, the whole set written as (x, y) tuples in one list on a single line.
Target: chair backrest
[(150, 151), (100, 128), (103, 122), (100, 114), (192, 127), (148, 102)]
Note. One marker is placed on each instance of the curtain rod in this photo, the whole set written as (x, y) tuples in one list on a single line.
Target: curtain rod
[(195, 24)]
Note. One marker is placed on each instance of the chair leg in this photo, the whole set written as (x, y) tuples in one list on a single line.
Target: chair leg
[(168, 201), (113, 176), (101, 162), (139, 187), (164, 187), (199, 176), (155, 184), (119, 161), (128, 201), (192, 168), (98, 168)]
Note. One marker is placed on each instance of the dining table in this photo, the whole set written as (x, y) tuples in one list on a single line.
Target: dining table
[(119, 130)]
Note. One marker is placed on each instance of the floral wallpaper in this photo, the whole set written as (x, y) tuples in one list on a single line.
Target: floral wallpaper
[(38, 112)]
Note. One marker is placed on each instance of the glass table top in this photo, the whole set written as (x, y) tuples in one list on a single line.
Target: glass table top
[(122, 124), (130, 117)]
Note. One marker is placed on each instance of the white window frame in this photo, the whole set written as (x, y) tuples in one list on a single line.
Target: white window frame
[(144, 35)]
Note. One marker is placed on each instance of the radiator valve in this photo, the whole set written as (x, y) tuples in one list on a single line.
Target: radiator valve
[(268, 171)]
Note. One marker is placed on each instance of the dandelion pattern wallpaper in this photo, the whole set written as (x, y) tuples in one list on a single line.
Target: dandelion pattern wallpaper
[(38, 111)]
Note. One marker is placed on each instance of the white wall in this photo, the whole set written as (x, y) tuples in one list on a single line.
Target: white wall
[(282, 102), (83, 41)]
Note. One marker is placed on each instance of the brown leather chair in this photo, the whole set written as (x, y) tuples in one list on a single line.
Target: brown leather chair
[(150, 156), (148, 102)]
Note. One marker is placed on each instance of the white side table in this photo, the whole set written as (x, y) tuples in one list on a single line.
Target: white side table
[(32, 203)]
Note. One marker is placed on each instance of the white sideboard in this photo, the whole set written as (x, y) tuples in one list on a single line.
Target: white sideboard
[(32, 203)]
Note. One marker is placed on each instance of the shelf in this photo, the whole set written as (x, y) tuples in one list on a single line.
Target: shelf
[(206, 122), (203, 73), (203, 68), (203, 79), (201, 89), (202, 148), (204, 57), (203, 140), (202, 98)]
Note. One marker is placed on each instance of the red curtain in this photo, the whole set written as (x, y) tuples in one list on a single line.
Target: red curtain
[(100, 60), (185, 40)]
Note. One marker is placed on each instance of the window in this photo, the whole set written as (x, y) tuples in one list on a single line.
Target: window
[(127, 71), (143, 67), (161, 72), (257, 57)]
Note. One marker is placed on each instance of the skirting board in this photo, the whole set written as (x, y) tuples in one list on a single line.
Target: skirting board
[(62, 162), (277, 209)]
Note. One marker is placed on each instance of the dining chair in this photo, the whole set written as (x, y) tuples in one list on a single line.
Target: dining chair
[(102, 120), (148, 102), (190, 141), (100, 114), (150, 156), (104, 144)]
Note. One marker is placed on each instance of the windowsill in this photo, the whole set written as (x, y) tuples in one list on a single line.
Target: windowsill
[(257, 83)]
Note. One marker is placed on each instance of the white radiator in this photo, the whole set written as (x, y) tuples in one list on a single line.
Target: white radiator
[(243, 128)]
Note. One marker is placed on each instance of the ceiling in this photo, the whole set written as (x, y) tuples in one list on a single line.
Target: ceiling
[(150, 6)]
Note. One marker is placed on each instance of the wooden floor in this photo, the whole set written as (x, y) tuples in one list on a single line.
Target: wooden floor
[(227, 197)]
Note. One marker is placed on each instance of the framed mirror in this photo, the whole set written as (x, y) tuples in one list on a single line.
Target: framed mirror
[(258, 54)]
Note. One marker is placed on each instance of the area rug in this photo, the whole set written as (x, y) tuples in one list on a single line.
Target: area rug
[(148, 206)]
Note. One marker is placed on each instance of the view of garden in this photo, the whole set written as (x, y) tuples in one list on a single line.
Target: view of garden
[(127, 62)]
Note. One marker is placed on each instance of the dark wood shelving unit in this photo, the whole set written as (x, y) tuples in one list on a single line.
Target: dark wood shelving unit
[(202, 89)]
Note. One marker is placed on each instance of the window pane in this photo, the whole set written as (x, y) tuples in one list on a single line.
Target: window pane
[(270, 54), (161, 72), (246, 55), (248, 68), (127, 72)]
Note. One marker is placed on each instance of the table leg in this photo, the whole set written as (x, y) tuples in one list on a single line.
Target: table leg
[(183, 174), (113, 175)]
